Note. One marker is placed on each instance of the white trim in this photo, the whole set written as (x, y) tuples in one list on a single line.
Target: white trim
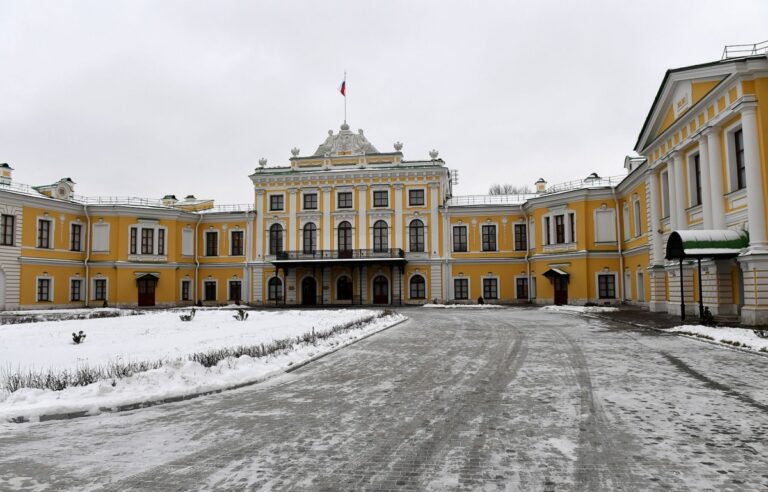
[(426, 286), (242, 243), (453, 245), (155, 228), (106, 288), (282, 288), (408, 196), (528, 280), (730, 156), (691, 174), (616, 293), (51, 285), (205, 242), (191, 290), (408, 235), (625, 226), (389, 286), (202, 285), (605, 210), (379, 190), (269, 201), (389, 232), (514, 235), (106, 227), (73, 223), (639, 284), (498, 286), (317, 238), (229, 291), (637, 210), (496, 234), (51, 232), (82, 289), (344, 190), (310, 191)]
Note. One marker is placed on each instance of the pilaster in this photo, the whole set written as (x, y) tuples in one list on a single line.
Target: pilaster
[(674, 279), (754, 175), (362, 218), (292, 226), (717, 287), (398, 230), (434, 228), (259, 224), (716, 177), (706, 187), (290, 287), (754, 310), (682, 217), (327, 222)]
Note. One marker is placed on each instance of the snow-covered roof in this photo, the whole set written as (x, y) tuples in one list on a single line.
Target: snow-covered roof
[(477, 200), (706, 243)]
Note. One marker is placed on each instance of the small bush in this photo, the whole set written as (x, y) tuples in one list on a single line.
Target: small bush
[(188, 317), (241, 315), (480, 300), (79, 337)]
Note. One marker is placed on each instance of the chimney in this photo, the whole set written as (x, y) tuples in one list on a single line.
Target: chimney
[(541, 185), (169, 200), (6, 172)]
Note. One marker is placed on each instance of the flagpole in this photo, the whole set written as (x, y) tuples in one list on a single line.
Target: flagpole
[(345, 96)]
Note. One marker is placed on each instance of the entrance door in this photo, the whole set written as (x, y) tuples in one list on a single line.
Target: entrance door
[(146, 286), (308, 291), (380, 290), (561, 290)]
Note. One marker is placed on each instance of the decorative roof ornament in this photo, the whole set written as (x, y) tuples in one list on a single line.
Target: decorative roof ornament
[(262, 162), (433, 154), (295, 151), (345, 143), (398, 146)]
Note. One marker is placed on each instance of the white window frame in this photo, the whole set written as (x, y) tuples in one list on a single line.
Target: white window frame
[(498, 286), (690, 164), (426, 235), (191, 232), (202, 285), (51, 287), (82, 235), (282, 289), (568, 231), (426, 286), (637, 207), (229, 292), (617, 296), (380, 190), (666, 205), (92, 292), (269, 202), (532, 234), (205, 243), (232, 233), (301, 234), (155, 240), (317, 200), (625, 226), (640, 284), (529, 287), (389, 233), (730, 156), (82, 289), (606, 211), (51, 233), (469, 288), (496, 239), (453, 244), (284, 239), (514, 235), (408, 197), (191, 290), (104, 226)]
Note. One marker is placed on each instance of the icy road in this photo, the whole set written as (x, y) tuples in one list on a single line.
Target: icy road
[(452, 399)]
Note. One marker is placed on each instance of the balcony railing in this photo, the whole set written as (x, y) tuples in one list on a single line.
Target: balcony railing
[(744, 50), (334, 254)]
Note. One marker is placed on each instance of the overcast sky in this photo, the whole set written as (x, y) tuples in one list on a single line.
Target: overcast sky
[(145, 98)]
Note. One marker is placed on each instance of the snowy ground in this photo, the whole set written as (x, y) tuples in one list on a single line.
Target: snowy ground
[(739, 337), (580, 309), (160, 336), (516, 399), (463, 306)]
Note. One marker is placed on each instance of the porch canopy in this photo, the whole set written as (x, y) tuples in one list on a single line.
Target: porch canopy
[(555, 272), (706, 244), (717, 244)]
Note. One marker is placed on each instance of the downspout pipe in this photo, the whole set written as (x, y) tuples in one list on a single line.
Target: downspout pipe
[(619, 237), (197, 258), (527, 252), (87, 254)]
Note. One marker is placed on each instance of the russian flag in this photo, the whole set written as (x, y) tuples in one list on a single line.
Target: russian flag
[(343, 88)]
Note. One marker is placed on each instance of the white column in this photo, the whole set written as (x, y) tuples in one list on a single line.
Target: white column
[(654, 200), (362, 233), (259, 225), (434, 188), (398, 232), (715, 178), (327, 224), (292, 227), (754, 175), (682, 219), (566, 225), (706, 188)]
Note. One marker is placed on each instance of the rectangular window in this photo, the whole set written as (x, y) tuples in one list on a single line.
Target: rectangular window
[(381, 198), (161, 241), (460, 239), (490, 288), (100, 289), (235, 290), (211, 243), (43, 289), (134, 232), (44, 234), (187, 242), (560, 229), (547, 231), (76, 290), (147, 241), (638, 219), (416, 198), (461, 288), (7, 230), (741, 169), (275, 202), (100, 238), (521, 239), (665, 194), (489, 237), (185, 284), (344, 199), (696, 180), (76, 237), (209, 288), (310, 201), (572, 224), (236, 248), (606, 286), (521, 288)]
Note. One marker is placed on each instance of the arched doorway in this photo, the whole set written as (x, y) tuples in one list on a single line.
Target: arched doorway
[(380, 290), (308, 291), (146, 286)]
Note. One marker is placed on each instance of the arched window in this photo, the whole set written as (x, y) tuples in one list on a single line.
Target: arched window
[(344, 288), (418, 287), (310, 238), (380, 236), (275, 239), (275, 289), (416, 236), (345, 236)]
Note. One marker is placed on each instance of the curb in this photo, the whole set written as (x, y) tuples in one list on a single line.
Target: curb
[(683, 335), (175, 399)]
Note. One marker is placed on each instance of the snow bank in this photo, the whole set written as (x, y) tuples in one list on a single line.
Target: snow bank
[(745, 337), (463, 306), (580, 309), (181, 377)]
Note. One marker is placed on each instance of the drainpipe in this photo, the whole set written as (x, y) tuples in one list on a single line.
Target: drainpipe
[(527, 251), (619, 237), (87, 254), (248, 247), (197, 258)]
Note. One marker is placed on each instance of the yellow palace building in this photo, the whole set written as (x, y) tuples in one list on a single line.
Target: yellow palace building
[(349, 224)]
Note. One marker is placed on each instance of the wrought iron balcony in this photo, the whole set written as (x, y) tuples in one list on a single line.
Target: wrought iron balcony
[(335, 254)]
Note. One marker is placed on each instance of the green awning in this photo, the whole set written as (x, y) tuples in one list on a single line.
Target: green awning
[(706, 244)]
